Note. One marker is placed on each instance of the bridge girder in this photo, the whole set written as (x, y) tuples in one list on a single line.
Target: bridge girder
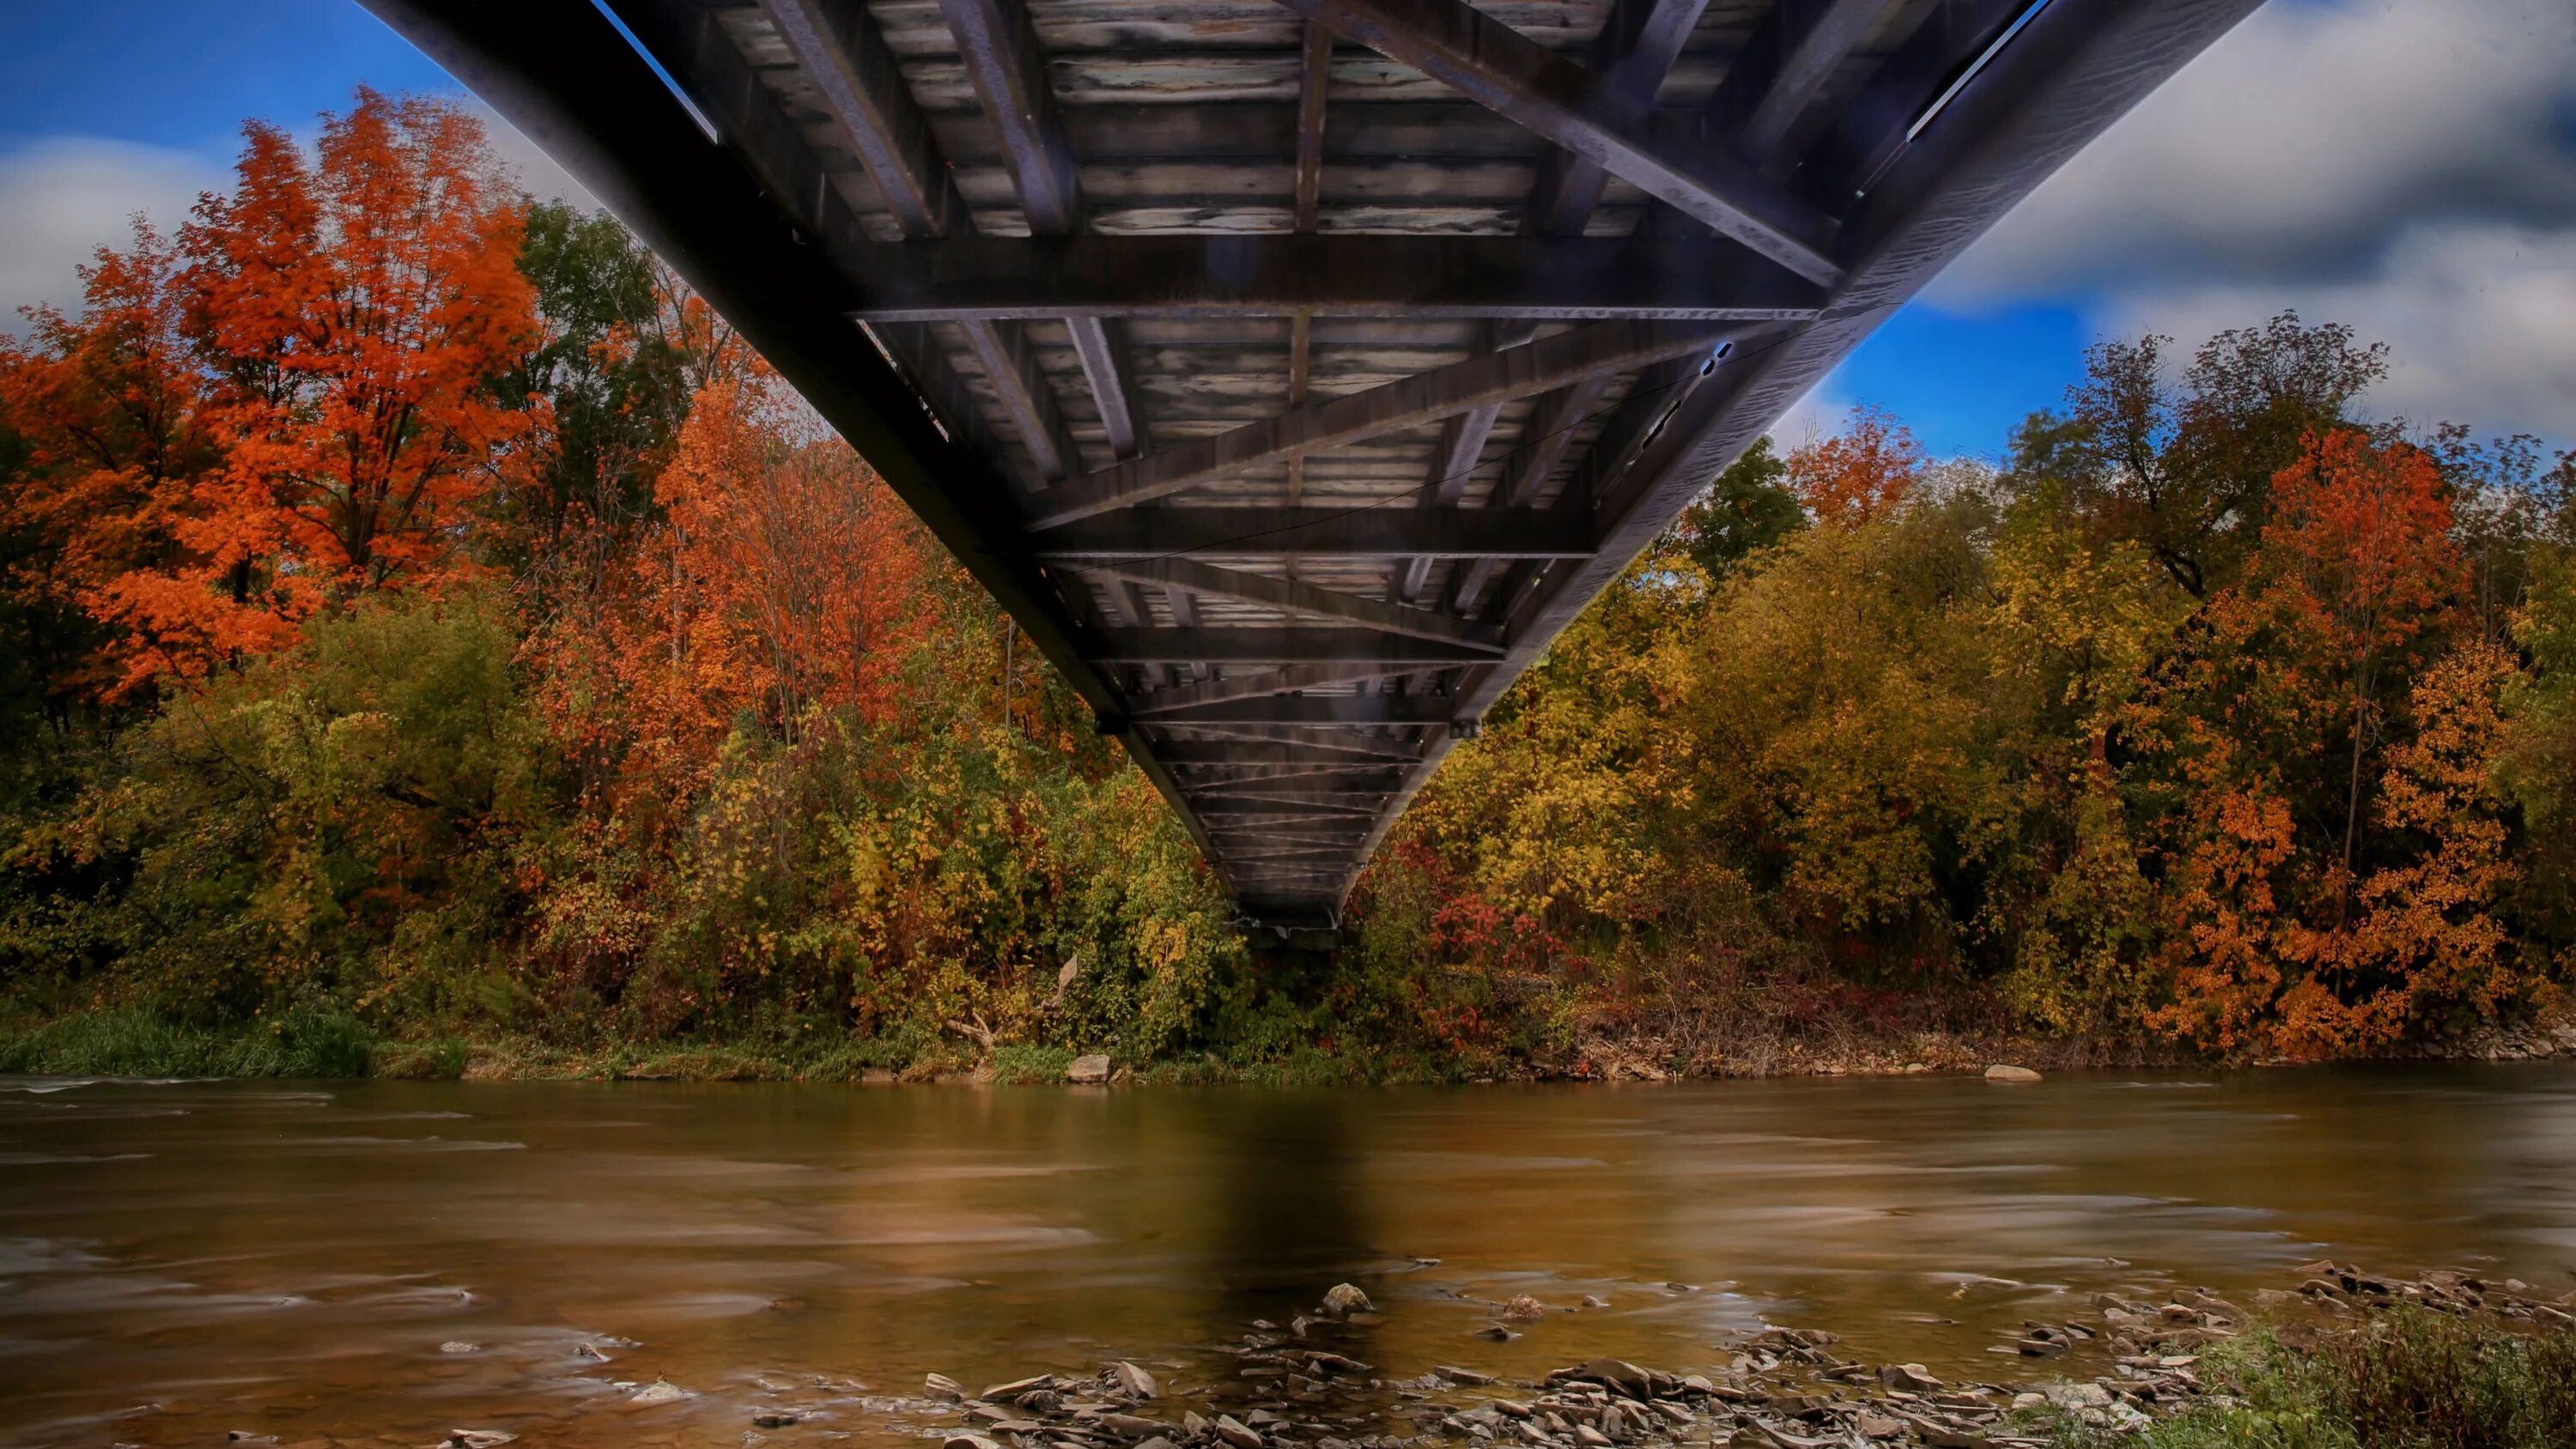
[(1290, 406)]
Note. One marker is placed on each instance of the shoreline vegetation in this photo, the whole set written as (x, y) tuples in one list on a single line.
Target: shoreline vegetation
[(141, 1044), (432, 645)]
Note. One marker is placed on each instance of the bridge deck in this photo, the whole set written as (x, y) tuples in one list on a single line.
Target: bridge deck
[(1294, 370)]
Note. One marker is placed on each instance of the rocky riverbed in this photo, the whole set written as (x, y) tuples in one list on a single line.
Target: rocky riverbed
[(1310, 1383)]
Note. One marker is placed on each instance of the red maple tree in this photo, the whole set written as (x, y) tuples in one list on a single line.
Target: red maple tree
[(350, 309)]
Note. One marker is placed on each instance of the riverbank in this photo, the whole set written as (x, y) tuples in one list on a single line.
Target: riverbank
[(311, 1043), (2345, 1358)]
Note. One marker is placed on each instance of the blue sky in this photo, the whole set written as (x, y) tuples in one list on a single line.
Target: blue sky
[(2408, 166)]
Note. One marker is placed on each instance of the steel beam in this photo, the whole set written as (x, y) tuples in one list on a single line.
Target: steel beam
[(1257, 684), (1301, 598), (1271, 645), (1587, 351), (1635, 48), (1670, 278), (1392, 531), (1349, 711), (1508, 73)]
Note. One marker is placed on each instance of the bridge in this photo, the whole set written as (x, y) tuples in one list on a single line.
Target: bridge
[(1293, 371)]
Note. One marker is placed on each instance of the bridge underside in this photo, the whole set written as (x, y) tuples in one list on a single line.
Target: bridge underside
[(1294, 370)]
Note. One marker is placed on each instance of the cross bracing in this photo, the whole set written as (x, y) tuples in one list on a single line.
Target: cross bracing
[(1294, 370)]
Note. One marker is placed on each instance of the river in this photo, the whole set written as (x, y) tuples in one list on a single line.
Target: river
[(387, 1261)]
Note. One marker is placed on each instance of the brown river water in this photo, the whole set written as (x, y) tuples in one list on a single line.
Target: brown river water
[(386, 1262)]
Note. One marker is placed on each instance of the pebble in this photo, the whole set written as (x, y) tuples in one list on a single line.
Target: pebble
[(458, 1345)]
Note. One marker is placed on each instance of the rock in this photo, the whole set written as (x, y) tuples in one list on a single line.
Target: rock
[(2077, 1396), (1134, 1382), (1192, 1424), (2006, 1072), (941, 1386), (2028, 1400), (1342, 1300), (777, 1418), (1461, 1375), (1523, 1309), (1590, 1437), (967, 1441), (1233, 1432), (1878, 1426), (1156, 1442), (1908, 1376), (1005, 1393), (660, 1391), (590, 1351), (248, 1436), (1618, 1374), (1088, 1071), (1496, 1333), (458, 1345), (1595, 1300), (479, 1438), (1132, 1426)]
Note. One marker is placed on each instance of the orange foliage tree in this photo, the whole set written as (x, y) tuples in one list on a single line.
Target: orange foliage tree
[(784, 578), (111, 410), (2332, 851), (352, 309), (1857, 474)]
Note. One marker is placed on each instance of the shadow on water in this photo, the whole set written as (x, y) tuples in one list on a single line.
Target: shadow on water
[(1291, 1212)]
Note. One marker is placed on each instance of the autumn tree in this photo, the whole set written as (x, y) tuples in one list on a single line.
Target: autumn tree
[(1746, 510), (354, 307), (1858, 474), (109, 414), (2184, 465), (2311, 763), (783, 578), (621, 347)]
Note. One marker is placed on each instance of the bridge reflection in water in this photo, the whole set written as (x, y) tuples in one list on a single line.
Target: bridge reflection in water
[(1294, 370)]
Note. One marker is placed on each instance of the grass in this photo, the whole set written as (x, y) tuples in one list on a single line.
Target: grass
[(140, 1042), (2409, 1379)]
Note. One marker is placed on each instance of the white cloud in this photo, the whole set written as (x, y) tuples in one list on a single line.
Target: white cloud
[(2480, 319), (2404, 166), (2302, 145), (62, 198)]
